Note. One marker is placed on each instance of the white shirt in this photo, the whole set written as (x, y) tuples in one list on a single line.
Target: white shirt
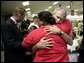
[(13, 19), (18, 24), (33, 24), (74, 45)]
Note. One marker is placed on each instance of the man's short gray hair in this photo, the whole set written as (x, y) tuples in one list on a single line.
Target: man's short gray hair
[(62, 10)]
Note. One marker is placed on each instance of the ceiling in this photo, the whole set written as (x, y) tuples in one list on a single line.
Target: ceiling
[(37, 6)]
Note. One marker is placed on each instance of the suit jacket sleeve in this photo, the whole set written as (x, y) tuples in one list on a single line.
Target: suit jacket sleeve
[(11, 38)]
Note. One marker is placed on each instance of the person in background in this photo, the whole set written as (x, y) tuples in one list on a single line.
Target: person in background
[(73, 54), (12, 37), (35, 22), (80, 28), (58, 51), (80, 50), (24, 27), (75, 42), (32, 28)]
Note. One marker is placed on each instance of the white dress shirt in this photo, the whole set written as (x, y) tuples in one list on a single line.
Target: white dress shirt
[(33, 24), (13, 19)]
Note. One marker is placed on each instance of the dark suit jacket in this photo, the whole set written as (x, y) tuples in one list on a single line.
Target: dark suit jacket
[(81, 52), (12, 38)]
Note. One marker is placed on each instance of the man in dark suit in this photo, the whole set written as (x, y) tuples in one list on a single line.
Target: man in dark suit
[(12, 37), (80, 50)]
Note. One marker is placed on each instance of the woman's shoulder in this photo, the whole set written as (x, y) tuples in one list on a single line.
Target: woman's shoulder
[(36, 31)]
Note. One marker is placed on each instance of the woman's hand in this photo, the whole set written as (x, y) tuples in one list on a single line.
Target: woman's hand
[(53, 29), (45, 43)]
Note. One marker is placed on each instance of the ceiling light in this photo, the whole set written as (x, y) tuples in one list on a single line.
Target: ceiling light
[(34, 15), (54, 3), (25, 3), (29, 12), (76, 9), (49, 7), (27, 9), (68, 7), (46, 9)]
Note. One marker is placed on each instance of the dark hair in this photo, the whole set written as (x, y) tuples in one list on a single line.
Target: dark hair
[(46, 17), (35, 17)]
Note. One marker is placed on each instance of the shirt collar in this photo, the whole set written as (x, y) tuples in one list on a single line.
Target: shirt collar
[(13, 19)]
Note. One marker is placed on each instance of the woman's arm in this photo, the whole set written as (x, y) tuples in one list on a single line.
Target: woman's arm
[(43, 43), (67, 38), (56, 30)]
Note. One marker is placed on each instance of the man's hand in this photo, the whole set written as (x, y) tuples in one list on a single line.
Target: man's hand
[(52, 29), (45, 43)]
